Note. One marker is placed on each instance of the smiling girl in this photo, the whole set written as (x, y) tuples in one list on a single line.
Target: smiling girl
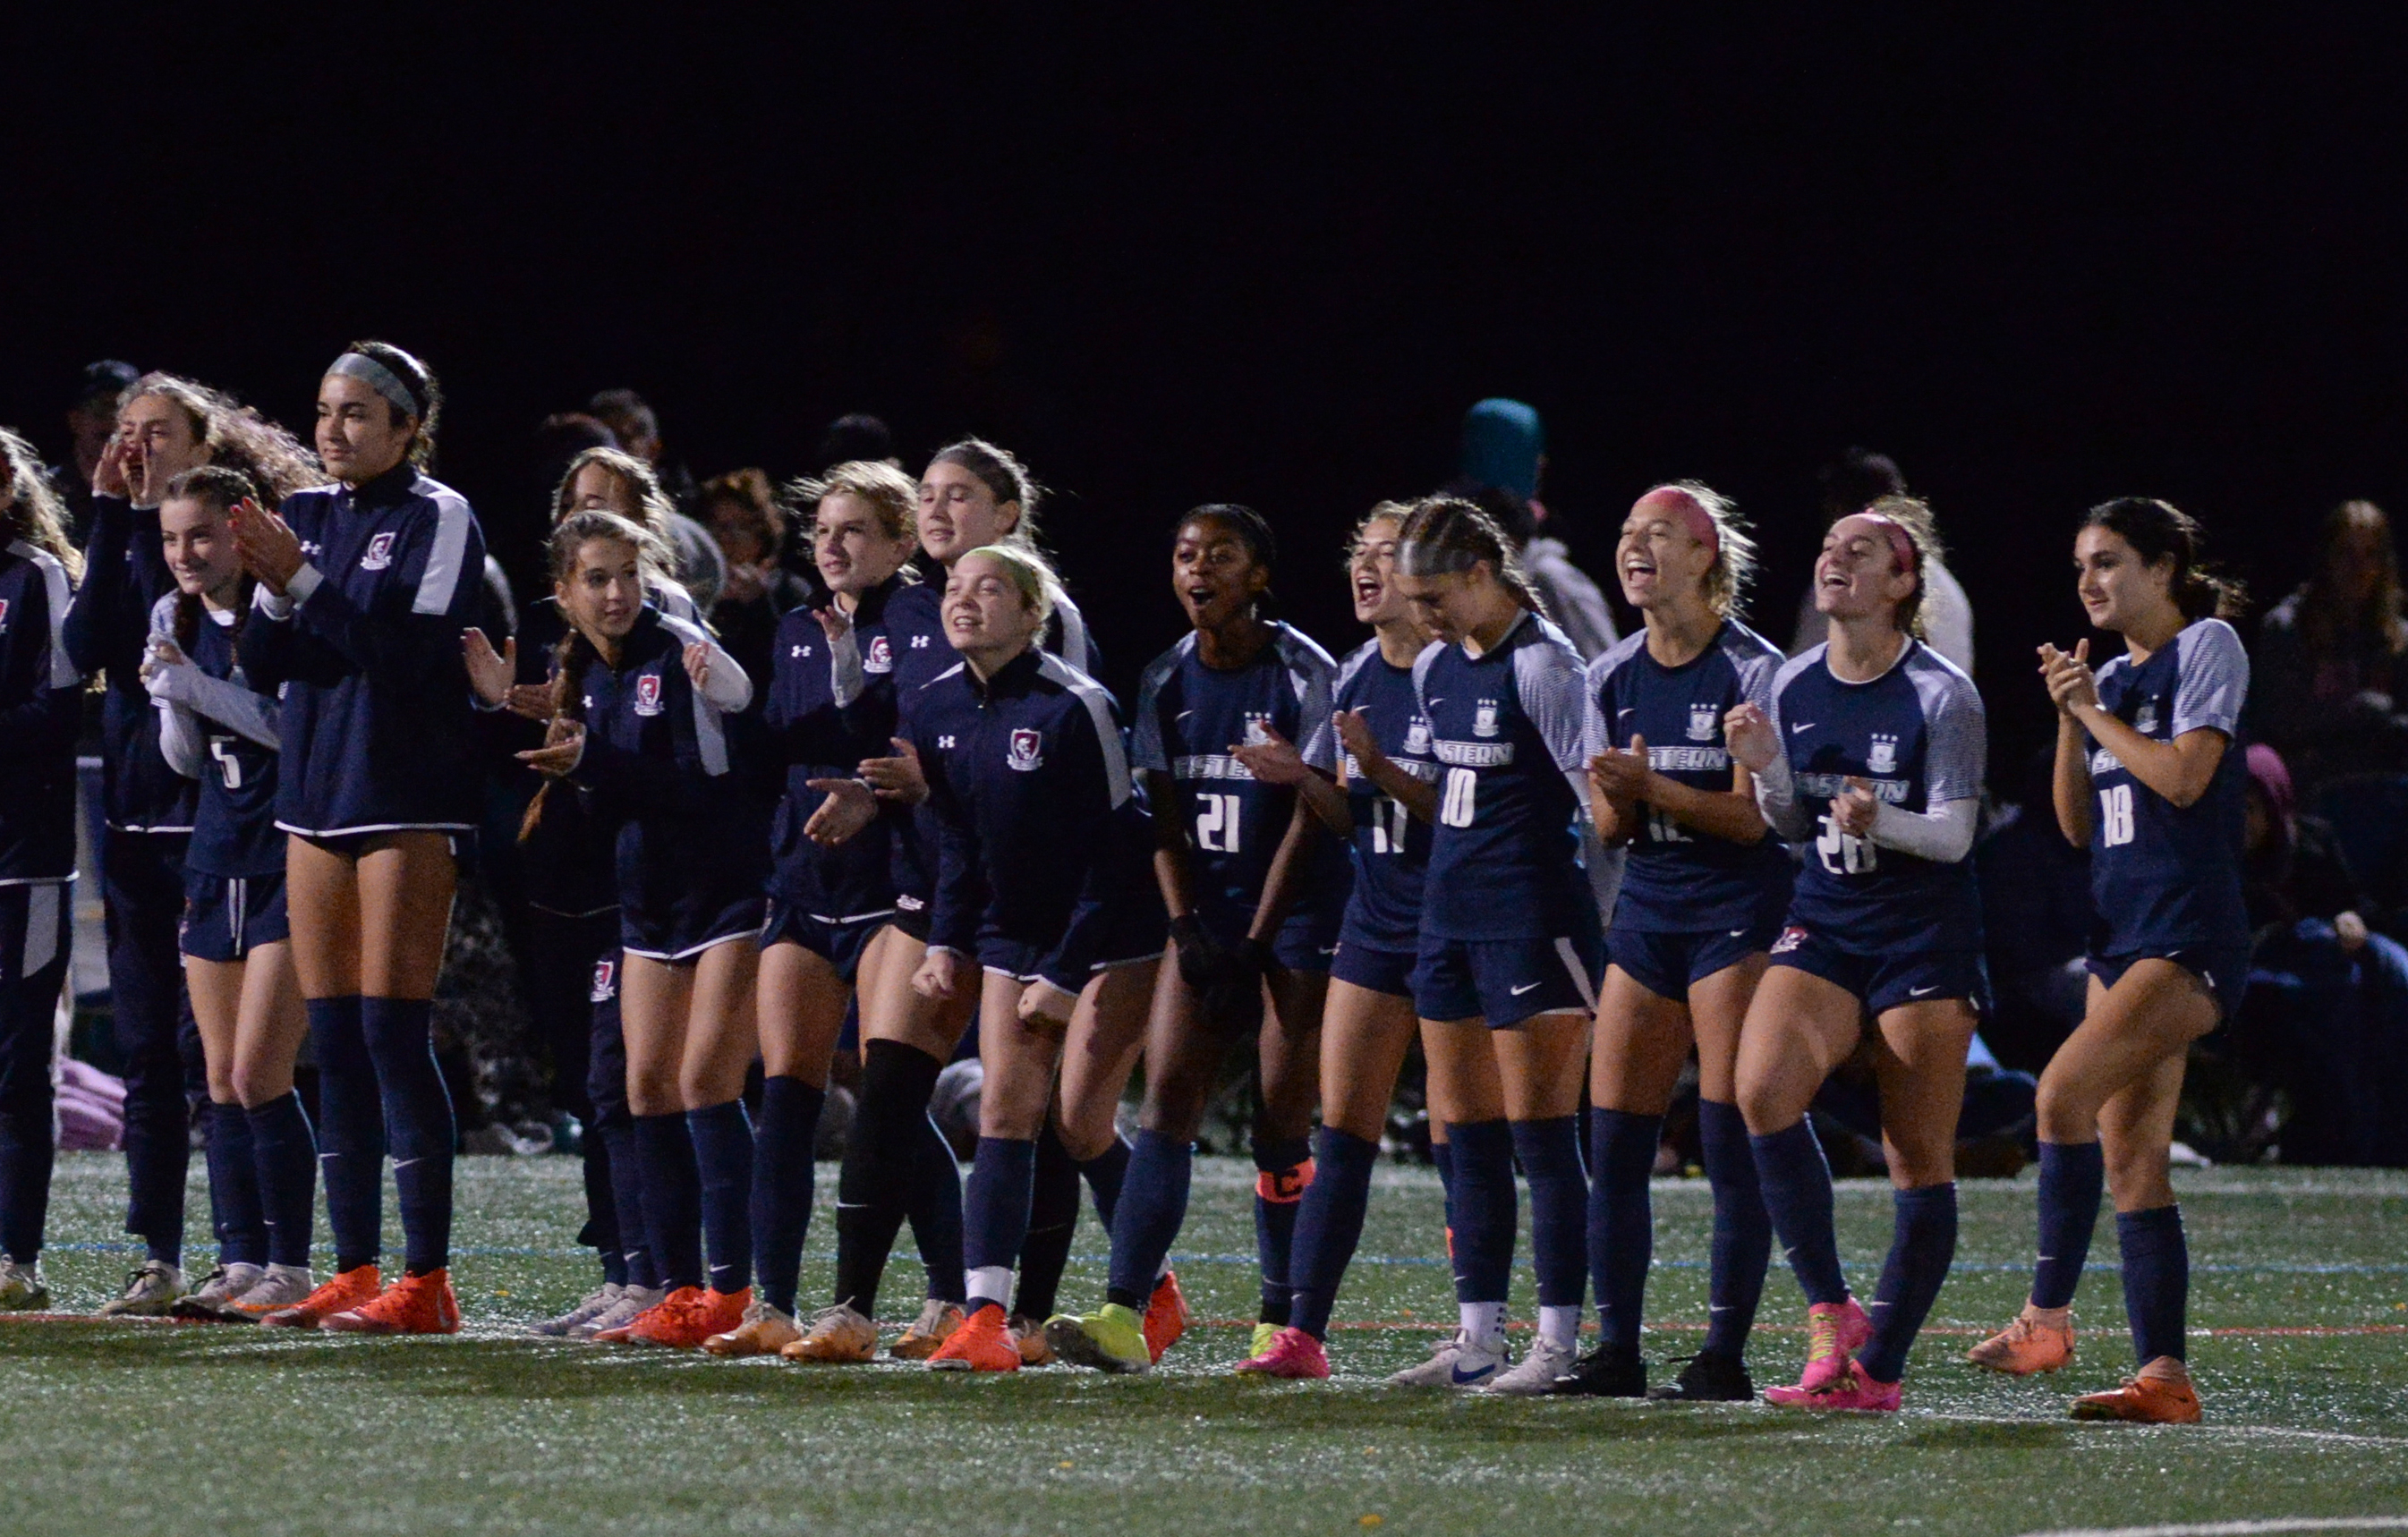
[(2147, 781)]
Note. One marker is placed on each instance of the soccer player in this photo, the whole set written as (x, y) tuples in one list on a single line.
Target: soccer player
[(831, 887), (637, 730), (1368, 1024), (40, 708), (896, 1164), (1255, 887), (1510, 942), (2146, 779), (1701, 898), (365, 589), (1043, 889), (166, 425), (215, 728), (1873, 750)]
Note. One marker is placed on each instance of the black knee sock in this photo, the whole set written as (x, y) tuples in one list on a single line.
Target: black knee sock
[(1621, 1221), (1283, 1171), (235, 1210), (418, 1124), (896, 1081), (1053, 1223), (672, 1197), (284, 1158)]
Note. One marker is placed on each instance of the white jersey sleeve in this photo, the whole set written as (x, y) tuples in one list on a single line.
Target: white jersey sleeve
[(2213, 679)]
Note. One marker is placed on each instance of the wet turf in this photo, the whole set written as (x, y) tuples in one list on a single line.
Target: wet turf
[(208, 1430)]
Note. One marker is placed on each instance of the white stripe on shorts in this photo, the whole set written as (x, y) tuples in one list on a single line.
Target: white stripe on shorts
[(1580, 973)]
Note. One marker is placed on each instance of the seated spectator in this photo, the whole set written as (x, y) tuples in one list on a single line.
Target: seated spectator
[(2326, 1016), (1851, 483), (1498, 465), (742, 514), (2332, 660)]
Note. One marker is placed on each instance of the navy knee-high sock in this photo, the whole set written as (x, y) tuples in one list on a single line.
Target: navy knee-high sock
[(2071, 1175), (2156, 1281), (351, 1132), (1550, 1153), (284, 1160), (1283, 1173), (1621, 1221), (418, 1124), (628, 1195), (1153, 1208), (1923, 1242), (601, 1231), (995, 1215), (235, 1209), (1796, 1185), (1052, 1222), (1329, 1225), (1743, 1241), (1103, 1173), (672, 1197), (932, 1201), (723, 1159), (784, 1179), (1486, 1209)]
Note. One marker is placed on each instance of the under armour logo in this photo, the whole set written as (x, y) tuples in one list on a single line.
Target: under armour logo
[(918, 643), (945, 744)]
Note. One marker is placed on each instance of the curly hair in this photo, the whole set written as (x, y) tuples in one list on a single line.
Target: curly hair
[(238, 437), (32, 510)]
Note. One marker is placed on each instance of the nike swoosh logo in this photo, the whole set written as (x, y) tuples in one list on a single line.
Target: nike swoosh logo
[(1807, 726), (1434, 704), (1181, 715), (1627, 711), (1462, 1378), (1918, 992), (1739, 933), (1525, 988)]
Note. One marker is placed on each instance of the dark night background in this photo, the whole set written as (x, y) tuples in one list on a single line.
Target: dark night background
[(2039, 262)]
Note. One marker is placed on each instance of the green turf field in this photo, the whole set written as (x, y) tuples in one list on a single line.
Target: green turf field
[(2300, 1289)]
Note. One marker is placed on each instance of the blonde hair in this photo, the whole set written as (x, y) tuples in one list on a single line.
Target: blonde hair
[(1393, 512), (1914, 514), (34, 512), (888, 492), (1030, 572), (1734, 568)]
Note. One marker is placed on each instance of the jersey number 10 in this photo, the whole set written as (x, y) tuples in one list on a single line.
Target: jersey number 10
[(1454, 803), (2116, 816), (1216, 824)]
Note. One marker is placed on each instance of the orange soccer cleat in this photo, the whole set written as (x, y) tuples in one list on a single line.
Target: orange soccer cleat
[(2148, 1399), (415, 1305), (2028, 1345), (688, 1317), (353, 1287), (1167, 1316), (983, 1343)]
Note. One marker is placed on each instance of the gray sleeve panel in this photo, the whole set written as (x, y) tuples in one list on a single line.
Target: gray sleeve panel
[(2213, 679)]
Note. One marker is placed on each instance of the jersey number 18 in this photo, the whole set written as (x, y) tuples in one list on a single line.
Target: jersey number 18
[(2116, 816)]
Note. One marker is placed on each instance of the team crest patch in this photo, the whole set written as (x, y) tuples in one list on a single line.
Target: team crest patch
[(3, 616), (648, 695), (1790, 939), (1024, 755), (605, 982), (1417, 736), (1884, 757), (1484, 719), (1259, 729), (880, 657), (2144, 720), (1702, 721), (378, 554)]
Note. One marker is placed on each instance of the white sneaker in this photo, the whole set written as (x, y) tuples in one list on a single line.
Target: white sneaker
[(150, 1293), (1456, 1361), (213, 1301), (632, 1300), (279, 1287), (1535, 1373), (21, 1288), (598, 1301)]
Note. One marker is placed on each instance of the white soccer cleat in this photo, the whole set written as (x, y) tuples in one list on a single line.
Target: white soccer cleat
[(150, 1292), (21, 1288), (1535, 1373), (1456, 1361), (619, 1315), (596, 1302), (279, 1287), (213, 1299)]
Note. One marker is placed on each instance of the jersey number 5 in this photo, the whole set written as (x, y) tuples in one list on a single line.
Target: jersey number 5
[(2116, 816), (222, 748), (1216, 824), (1455, 806), (1842, 853)]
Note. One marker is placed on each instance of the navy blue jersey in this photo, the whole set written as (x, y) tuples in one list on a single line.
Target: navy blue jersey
[(1391, 846), (1188, 717), (1505, 727), (1677, 879), (378, 721), (1918, 735), (829, 708), (124, 575), (233, 757), (915, 631), (2164, 876), (1039, 832), (568, 863), (41, 700), (678, 779)]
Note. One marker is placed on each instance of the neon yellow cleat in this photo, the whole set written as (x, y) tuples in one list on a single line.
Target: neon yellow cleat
[(1112, 1340)]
